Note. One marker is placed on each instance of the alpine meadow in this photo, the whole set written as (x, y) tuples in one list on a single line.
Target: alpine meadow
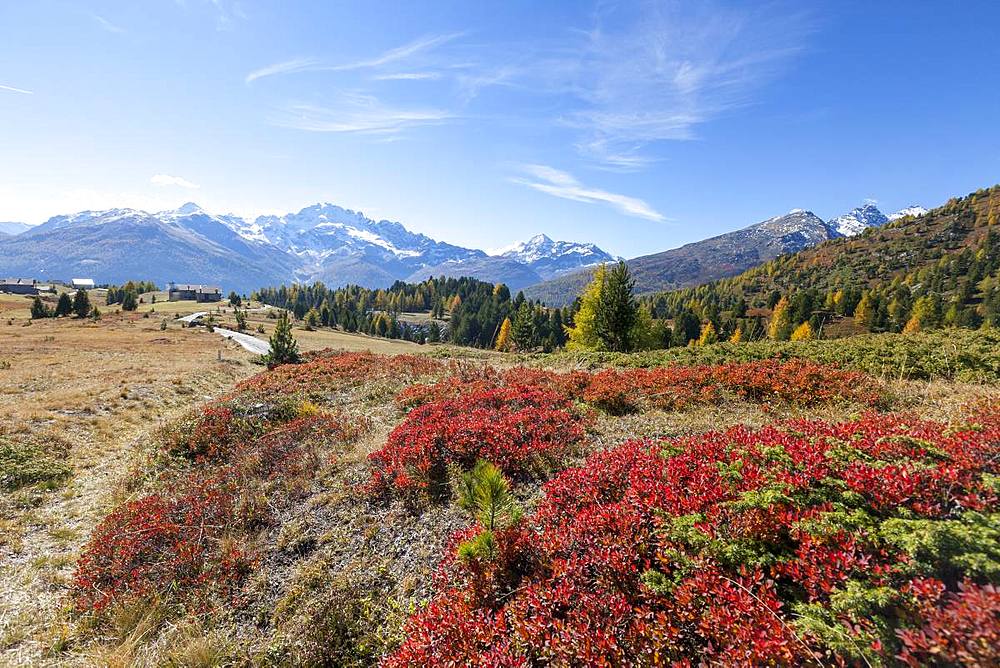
[(606, 334)]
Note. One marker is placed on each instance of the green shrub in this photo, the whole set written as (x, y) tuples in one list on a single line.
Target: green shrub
[(23, 463)]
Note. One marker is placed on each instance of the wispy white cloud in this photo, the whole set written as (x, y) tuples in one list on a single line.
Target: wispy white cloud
[(358, 113), (392, 56), (407, 76), (558, 183), (12, 89), (107, 25), (661, 71), (286, 67), (165, 180)]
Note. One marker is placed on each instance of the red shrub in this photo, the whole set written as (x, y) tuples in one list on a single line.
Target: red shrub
[(965, 631), (217, 433), (695, 550), (619, 391), (520, 429), (159, 544), (184, 542), (323, 372)]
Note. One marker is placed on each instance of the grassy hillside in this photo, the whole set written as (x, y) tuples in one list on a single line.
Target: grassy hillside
[(940, 269)]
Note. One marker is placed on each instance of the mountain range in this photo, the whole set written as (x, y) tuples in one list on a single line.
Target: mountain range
[(726, 254), (339, 246), (322, 242)]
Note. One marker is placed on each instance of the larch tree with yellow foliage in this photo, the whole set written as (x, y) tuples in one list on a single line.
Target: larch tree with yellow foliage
[(864, 312), (583, 334), (737, 336), (503, 338), (708, 334), (781, 321), (803, 332)]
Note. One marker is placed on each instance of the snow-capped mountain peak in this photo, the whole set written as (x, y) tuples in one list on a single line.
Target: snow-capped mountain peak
[(551, 258), (857, 220), (914, 210)]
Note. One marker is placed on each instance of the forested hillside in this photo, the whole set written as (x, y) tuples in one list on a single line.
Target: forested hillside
[(465, 311), (940, 269)]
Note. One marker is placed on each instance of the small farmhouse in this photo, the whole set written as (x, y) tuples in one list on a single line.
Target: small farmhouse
[(190, 292), (19, 286), (82, 283)]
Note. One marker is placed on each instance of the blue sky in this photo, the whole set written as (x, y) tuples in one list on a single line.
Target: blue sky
[(638, 126)]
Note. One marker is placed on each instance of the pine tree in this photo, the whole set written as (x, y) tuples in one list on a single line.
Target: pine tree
[(312, 319), (39, 309), (241, 320), (522, 330), (284, 349), (64, 306), (130, 301), (433, 332), (617, 310), (503, 337), (737, 336), (708, 335), (781, 321), (81, 304), (803, 332)]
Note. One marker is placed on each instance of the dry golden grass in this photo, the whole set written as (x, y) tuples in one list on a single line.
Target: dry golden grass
[(101, 388)]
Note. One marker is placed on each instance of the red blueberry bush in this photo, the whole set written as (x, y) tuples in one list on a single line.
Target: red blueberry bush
[(777, 546), (323, 372), (620, 391), (161, 543), (185, 540), (521, 429)]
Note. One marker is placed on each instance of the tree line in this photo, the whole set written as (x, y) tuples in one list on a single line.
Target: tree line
[(463, 311)]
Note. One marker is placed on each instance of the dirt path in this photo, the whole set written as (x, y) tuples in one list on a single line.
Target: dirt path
[(102, 390)]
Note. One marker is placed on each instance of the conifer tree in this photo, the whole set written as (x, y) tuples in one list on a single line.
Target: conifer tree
[(803, 332), (864, 312), (81, 304), (241, 320), (64, 306), (737, 336), (284, 349), (130, 301), (781, 321), (39, 309), (503, 337), (522, 331), (708, 335), (617, 310), (583, 334), (312, 319)]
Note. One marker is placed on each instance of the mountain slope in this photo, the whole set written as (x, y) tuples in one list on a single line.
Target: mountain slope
[(702, 261), (942, 267), (122, 244), (323, 242), (12, 229)]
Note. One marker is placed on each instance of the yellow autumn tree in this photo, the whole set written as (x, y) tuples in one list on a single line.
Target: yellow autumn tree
[(503, 338), (781, 321), (455, 303), (803, 332), (737, 335), (864, 312), (708, 334), (583, 334)]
